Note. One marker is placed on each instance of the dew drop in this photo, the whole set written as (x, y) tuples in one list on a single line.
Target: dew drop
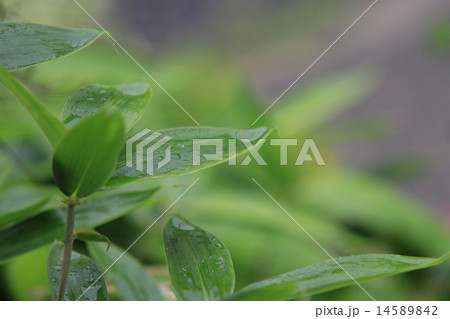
[(186, 227)]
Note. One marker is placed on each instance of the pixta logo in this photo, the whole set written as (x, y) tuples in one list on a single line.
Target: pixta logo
[(308, 150), (150, 151), (141, 148)]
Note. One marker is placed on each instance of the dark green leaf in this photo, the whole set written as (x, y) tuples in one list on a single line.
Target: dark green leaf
[(127, 274), (45, 228), (200, 265), (83, 272), (131, 100), (85, 234), (25, 44), (181, 148), (327, 275), (86, 156), (20, 203), (49, 124)]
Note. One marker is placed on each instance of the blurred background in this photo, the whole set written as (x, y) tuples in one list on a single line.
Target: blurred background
[(377, 105)]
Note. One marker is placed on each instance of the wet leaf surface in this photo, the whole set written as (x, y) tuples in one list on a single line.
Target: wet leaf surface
[(182, 152), (328, 275), (82, 280), (200, 265), (130, 99), (25, 44)]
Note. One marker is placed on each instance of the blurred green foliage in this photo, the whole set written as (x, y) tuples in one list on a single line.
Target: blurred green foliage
[(347, 212), (439, 36)]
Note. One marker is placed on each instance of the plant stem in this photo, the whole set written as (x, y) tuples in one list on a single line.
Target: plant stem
[(68, 244)]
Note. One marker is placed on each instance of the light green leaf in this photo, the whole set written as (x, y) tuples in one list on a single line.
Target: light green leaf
[(200, 266), (83, 272), (22, 202), (87, 235), (181, 151), (45, 228), (131, 100), (86, 156), (25, 44), (133, 283), (314, 105), (266, 235), (49, 124), (378, 209), (26, 276), (327, 275)]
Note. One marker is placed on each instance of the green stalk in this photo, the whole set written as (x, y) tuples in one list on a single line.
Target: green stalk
[(68, 244)]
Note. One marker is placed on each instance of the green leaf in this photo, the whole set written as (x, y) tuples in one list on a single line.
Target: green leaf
[(327, 275), (20, 203), (200, 265), (264, 234), (128, 275), (45, 228), (181, 147), (131, 100), (316, 104), (378, 209), (83, 272), (85, 234), (86, 156), (25, 44), (48, 123)]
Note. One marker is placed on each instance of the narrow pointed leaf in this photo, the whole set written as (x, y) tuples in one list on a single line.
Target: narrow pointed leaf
[(44, 229), (181, 152), (133, 283), (130, 99), (327, 275), (200, 265), (25, 44), (87, 235), (87, 154), (83, 272), (48, 123), (20, 203)]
